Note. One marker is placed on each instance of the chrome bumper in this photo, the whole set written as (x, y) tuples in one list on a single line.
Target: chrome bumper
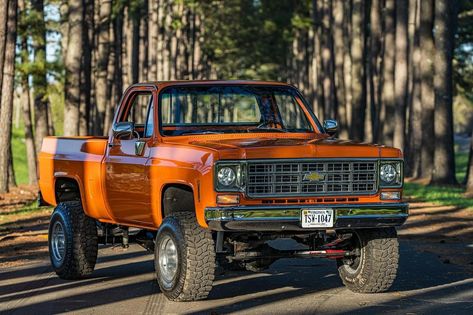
[(288, 218)]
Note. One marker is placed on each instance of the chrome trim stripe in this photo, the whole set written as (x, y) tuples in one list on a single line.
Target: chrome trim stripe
[(292, 213)]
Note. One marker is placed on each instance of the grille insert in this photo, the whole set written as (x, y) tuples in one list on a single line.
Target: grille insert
[(311, 178)]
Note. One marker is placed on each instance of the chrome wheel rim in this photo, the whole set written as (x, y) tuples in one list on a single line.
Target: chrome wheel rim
[(168, 260), (58, 241)]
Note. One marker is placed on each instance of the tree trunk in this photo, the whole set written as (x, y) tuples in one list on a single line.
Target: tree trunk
[(114, 75), (153, 28), (29, 140), (427, 91), (388, 101), (469, 171), (103, 52), (143, 43), (401, 73), (118, 44), (160, 42), (86, 75), (11, 170), (40, 82), (414, 131), (339, 59), (135, 45), (72, 64), (3, 33), (25, 101), (347, 63), (317, 58), (359, 102), (6, 101), (412, 33), (444, 162), (330, 102)]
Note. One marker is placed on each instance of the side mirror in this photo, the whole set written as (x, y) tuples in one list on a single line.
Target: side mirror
[(331, 126), (123, 129)]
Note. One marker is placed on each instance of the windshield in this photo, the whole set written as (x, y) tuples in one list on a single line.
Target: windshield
[(231, 109)]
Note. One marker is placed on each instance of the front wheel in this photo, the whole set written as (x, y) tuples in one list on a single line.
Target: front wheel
[(184, 258), (373, 267)]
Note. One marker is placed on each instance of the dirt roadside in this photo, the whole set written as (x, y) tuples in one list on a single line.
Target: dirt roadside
[(23, 229), (445, 231)]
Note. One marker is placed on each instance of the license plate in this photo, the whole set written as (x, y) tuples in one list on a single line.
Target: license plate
[(316, 218)]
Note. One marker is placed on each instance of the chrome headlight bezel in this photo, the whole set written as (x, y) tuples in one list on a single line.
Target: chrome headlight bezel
[(398, 180), (237, 185)]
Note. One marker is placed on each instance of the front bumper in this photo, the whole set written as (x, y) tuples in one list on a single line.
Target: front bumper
[(288, 218)]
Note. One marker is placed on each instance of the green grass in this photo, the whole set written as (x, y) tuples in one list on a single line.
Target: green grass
[(19, 155), (448, 196), (443, 195), (461, 161)]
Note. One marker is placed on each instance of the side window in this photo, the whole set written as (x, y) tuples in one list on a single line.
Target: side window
[(140, 112)]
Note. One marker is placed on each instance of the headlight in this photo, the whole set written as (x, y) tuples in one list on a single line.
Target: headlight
[(387, 173), (390, 174), (226, 176), (229, 176)]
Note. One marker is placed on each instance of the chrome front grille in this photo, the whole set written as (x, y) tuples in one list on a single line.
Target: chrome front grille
[(311, 178)]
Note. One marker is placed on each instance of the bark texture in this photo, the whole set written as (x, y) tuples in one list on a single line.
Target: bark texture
[(444, 162), (6, 101), (72, 64)]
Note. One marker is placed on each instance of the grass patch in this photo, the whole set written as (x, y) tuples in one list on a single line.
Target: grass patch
[(449, 196), (20, 164), (18, 214), (461, 161)]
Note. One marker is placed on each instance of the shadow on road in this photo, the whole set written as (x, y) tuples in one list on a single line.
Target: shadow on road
[(127, 280)]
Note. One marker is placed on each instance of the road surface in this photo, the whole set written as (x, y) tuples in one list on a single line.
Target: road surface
[(123, 283)]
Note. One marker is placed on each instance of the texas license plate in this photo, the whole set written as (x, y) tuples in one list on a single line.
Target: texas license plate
[(317, 218)]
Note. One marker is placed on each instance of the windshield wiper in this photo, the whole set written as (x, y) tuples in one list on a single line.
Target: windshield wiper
[(264, 127), (207, 132)]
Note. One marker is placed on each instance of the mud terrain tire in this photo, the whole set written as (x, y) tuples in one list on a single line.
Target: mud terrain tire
[(73, 241), (192, 272), (375, 269)]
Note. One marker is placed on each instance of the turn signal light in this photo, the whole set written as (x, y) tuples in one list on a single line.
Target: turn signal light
[(228, 199), (390, 195)]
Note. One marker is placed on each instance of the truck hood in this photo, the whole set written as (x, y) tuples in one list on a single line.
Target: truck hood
[(272, 148)]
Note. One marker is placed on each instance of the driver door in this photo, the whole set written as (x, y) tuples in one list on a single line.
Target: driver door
[(127, 182)]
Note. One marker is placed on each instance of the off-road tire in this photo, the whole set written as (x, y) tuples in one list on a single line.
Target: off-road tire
[(80, 241), (378, 262), (196, 258)]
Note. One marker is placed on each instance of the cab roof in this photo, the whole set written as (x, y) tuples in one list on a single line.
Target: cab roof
[(162, 84)]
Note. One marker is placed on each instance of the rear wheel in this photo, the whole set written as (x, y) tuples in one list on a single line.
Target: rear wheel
[(73, 242), (374, 266), (184, 258)]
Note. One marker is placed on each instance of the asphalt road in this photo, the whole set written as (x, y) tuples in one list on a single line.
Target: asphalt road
[(123, 283)]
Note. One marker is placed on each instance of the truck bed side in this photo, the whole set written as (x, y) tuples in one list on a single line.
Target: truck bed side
[(78, 159)]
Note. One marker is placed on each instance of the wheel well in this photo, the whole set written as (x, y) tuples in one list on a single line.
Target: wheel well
[(177, 198), (67, 189)]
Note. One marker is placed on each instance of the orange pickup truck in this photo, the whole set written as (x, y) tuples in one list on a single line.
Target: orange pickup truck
[(208, 174)]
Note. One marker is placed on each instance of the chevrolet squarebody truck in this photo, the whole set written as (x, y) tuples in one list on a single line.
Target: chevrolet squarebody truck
[(207, 174)]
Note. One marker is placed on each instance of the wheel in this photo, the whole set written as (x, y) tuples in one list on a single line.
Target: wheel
[(73, 242), (184, 258), (374, 266)]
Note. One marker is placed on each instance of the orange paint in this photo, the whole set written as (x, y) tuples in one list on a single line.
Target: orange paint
[(120, 187)]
